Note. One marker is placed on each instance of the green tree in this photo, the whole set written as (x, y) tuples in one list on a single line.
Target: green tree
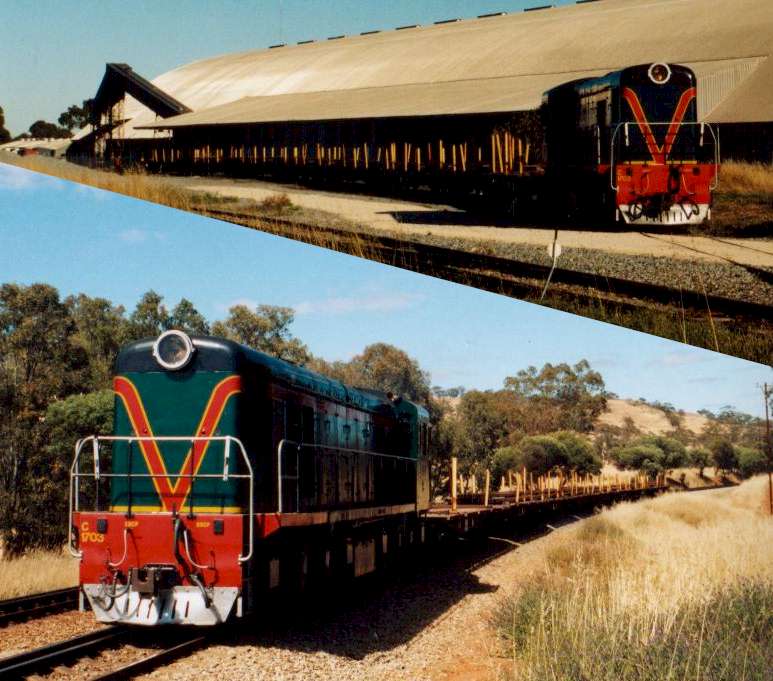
[(101, 330), (578, 390), (700, 458), (187, 318), (642, 456), (580, 455), (480, 427), (266, 329), (39, 363), (505, 459), (76, 116), (542, 454), (46, 130), (723, 453), (5, 136), (149, 318), (388, 369), (674, 452), (751, 461), (47, 486)]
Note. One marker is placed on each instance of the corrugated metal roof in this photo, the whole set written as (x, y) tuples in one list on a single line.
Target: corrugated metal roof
[(50, 144), (726, 41), (460, 97)]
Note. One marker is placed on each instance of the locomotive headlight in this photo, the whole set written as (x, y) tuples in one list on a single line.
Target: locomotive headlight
[(660, 73), (173, 350)]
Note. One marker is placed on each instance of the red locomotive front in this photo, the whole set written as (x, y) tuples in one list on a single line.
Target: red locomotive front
[(631, 141)]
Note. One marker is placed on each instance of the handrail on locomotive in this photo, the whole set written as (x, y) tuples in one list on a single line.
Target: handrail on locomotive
[(97, 475), (625, 127), (301, 445)]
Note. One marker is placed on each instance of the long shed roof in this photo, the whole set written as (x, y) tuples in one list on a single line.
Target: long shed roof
[(499, 63)]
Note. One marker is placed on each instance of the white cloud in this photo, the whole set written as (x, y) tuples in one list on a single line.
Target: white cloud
[(680, 358), (247, 302), (14, 178), (338, 305), (133, 236), (347, 305), (139, 236)]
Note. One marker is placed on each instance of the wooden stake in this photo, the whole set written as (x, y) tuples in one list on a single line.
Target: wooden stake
[(453, 484)]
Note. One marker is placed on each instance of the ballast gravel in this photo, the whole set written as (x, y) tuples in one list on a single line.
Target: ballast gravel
[(429, 626)]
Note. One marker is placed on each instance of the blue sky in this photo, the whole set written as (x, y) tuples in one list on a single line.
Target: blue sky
[(85, 240), (53, 54)]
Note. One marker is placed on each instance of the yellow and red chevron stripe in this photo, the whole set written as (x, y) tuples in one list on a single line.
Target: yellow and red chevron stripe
[(174, 495), (658, 153)]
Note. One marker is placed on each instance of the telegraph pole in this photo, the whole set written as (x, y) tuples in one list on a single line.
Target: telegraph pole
[(766, 392)]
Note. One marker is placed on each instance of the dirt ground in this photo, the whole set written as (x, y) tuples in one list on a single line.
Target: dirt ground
[(406, 218)]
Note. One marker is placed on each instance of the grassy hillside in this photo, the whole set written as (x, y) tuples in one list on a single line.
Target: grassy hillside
[(646, 418)]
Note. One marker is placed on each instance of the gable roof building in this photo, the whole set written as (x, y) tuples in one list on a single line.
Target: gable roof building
[(491, 64)]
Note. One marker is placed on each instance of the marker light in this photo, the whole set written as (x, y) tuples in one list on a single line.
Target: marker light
[(173, 350), (660, 73)]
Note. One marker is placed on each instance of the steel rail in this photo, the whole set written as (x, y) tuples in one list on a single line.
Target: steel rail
[(499, 274), (154, 660), (35, 605), (61, 652)]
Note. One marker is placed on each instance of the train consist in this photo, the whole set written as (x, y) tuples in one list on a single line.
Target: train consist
[(232, 473), (232, 476)]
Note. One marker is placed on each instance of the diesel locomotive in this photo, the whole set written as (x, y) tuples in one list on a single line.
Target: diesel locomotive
[(630, 142), (231, 474)]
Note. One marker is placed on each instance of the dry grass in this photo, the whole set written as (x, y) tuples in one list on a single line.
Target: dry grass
[(746, 178), (37, 571), (279, 203), (673, 588), (689, 477), (135, 184)]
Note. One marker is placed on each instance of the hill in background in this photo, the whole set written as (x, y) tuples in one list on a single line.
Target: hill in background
[(649, 419)]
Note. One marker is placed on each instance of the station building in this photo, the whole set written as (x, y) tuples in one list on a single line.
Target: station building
[(453, 95)]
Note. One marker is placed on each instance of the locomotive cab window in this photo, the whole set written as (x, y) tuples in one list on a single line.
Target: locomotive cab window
[(294, 423), (308, 425)]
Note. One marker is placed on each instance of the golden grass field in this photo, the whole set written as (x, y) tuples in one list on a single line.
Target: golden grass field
[(746, 178), (37, 571), (677, 587)]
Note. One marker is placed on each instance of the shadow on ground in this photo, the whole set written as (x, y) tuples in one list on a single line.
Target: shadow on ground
[(372, 616)]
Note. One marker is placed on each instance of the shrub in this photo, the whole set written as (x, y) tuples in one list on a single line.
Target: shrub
[(505, 459), (723, 453), (542, 453), (580, 455), (700, 458), (643, 457), (674, 452), (750, 461), (277, 203)]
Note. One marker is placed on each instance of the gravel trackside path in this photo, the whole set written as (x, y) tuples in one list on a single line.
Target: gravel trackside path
[(430, 626), (22, 637), (405, 218)]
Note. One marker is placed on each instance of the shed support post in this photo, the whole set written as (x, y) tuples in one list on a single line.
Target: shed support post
[(453, 484)]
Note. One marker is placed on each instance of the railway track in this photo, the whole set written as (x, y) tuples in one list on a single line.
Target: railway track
[(498, 274), (36, 605), (171, 652), (70, 651), (62, 652)]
